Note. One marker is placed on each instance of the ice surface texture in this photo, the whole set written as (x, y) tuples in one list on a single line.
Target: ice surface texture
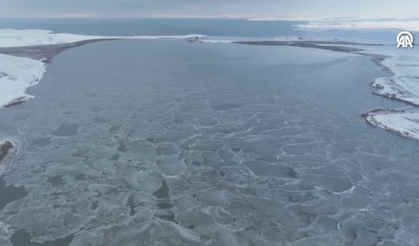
[(182, 158)]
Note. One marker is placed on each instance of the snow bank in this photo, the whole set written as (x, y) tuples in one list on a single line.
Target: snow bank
[(16, 75), (404, 85), (401, 123), (406, 123)]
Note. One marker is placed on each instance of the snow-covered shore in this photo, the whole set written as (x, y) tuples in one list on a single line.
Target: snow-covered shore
[(19, 73), (22, 38), (403, 86), (16, 75), (400, 122)]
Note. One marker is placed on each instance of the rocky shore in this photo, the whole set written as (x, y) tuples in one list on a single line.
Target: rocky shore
[(5, 148)]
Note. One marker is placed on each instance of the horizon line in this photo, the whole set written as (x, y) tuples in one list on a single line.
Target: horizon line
[(340, 19)]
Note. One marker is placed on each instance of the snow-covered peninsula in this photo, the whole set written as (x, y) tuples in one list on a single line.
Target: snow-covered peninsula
[(402, 86)]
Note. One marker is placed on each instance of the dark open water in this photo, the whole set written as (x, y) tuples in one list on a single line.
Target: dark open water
[(163, 142)]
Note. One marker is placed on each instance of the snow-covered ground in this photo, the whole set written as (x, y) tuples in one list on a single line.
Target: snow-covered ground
[(406, 123), (404, 85), (17, 74), (403, 123), (21, 38)]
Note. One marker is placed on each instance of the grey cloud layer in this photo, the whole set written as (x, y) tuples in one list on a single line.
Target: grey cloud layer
[(234, 8)]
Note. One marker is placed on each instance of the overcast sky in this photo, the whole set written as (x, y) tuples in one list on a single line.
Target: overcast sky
[(282, 9)]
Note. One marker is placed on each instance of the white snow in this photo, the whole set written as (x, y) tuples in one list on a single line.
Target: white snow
[(16, 75), (404, 123), (404, 84), (21, 38)]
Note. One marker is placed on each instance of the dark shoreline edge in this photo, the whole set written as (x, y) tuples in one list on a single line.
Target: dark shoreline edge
[(326, 45), (46, 52), (8, 193), (377, 59), (5, 147)]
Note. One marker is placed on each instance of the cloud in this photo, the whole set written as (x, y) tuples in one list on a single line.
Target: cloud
[(285, 9)]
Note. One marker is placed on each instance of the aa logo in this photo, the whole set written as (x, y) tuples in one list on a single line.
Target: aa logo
[(405, 39)]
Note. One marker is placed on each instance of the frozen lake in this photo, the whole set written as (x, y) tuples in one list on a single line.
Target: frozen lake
[(173, 143)]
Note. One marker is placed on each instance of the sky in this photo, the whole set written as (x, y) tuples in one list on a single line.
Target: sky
[(259, 9)]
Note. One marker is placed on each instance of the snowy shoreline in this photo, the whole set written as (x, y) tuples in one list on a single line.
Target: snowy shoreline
[(400, 122), (403, 86)]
